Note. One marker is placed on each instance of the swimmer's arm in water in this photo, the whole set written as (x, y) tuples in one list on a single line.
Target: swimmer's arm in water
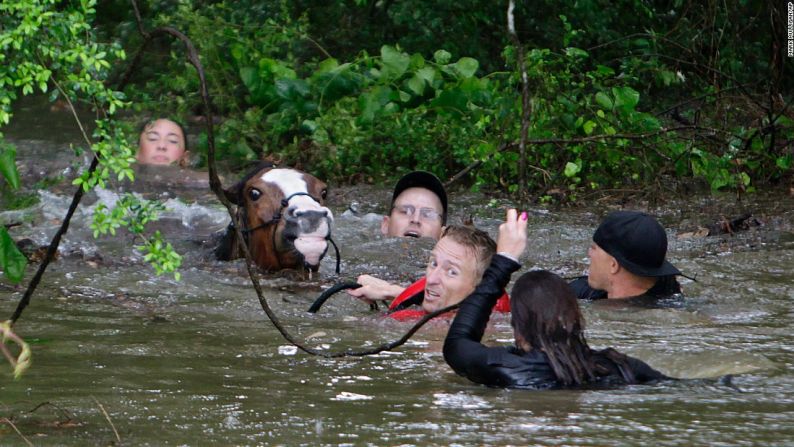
[(374, 289)]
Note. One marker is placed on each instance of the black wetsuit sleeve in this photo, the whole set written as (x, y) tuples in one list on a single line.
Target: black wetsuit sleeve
[(462, 348), (583, 290)]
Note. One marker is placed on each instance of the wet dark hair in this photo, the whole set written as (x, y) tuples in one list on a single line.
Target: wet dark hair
[(151, 121), (546, 314)]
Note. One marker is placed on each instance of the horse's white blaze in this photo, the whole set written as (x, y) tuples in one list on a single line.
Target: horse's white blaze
[(290, 182)]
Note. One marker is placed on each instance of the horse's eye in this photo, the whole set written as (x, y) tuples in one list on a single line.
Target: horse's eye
[(324, 194), (254, 194)]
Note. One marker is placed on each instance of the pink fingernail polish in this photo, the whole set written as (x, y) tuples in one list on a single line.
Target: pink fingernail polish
[(523, 215)]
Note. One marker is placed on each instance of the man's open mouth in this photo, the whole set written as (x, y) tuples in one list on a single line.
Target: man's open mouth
[(412, 233), (432, 294)]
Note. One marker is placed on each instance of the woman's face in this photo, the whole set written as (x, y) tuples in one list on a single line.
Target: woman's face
[(161, 143)]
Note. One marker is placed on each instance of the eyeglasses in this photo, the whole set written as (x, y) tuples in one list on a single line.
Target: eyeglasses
[(426, 214)]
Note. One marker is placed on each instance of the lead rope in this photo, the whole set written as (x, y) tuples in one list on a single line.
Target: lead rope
[(338, 257), (338, 287)]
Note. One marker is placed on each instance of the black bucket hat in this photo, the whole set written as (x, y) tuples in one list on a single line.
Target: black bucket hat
[(422, 179), (637, 241)]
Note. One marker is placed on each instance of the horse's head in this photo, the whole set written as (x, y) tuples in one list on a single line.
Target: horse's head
[(284, 217)]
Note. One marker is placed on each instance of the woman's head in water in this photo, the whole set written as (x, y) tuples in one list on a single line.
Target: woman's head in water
[(546, 317), (162, 142)]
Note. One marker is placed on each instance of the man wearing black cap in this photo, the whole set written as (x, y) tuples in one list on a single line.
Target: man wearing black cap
[(627, 259), (418, 207)]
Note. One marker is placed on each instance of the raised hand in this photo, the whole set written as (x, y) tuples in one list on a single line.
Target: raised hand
[(513, 234)]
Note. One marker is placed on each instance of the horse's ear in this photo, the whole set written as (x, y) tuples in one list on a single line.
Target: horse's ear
[(233, 194)]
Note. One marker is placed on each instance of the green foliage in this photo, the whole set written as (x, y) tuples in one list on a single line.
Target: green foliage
[(8, 167), (385, 94), (161, 255), (133, 214), (12, 261), (45, 44)]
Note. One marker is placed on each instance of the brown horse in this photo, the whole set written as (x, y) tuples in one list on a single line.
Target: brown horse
[(284, 219)]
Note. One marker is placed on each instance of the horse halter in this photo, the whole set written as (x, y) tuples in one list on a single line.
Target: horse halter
[(277, 217)]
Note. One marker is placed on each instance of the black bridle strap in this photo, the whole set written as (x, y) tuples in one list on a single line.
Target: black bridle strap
[(278, 215), (285, 202)]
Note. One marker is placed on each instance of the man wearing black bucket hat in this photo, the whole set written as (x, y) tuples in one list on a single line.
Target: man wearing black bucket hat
[(418, 207), (627, 259)]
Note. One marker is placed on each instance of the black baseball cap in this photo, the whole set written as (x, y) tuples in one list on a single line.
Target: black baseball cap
[(637, 241), (422, 179)]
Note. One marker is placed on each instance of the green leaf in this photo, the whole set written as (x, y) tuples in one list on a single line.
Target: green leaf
[(249, 77), (603, 100), (417, 62), (327, 66), (427, 73), (237, 52), (571, 169), (8, 166), (442, 57), (417, 85), (626, 98), (588, 127), (395, 62), (373, 102), (292, 89), (784, 162), (604, 70), (576, 52), (12, 261), (650, 122), (466, 67), (667, 77), (453, 101)]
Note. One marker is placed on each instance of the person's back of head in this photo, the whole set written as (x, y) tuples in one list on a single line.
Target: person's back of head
[(637, 241), (629, 254), (546, 316)]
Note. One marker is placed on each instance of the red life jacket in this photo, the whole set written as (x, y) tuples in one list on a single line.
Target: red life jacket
[(502, 304)]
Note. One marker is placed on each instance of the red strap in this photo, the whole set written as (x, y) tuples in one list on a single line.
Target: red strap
[(409, 292), (408, 315), (503, 304)]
